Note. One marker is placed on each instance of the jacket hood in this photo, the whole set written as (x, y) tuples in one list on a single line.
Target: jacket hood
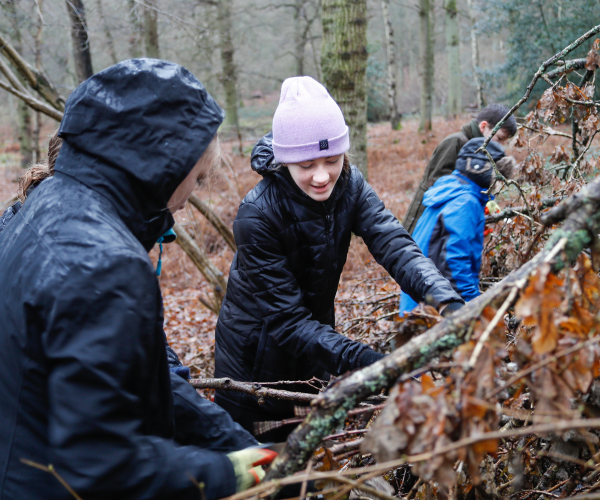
[(262, 160), (452, 186), (133, 132)]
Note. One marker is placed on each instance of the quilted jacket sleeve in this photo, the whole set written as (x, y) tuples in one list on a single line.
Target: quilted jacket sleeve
[(395, 250), (263, 263)]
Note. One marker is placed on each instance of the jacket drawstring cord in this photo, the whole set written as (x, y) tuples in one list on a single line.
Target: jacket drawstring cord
[(159, 263)]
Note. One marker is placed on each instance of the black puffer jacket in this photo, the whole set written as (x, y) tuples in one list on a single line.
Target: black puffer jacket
[(277, 320), (84, 380)]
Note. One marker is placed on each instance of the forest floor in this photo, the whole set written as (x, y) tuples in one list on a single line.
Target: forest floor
[(397, 160)]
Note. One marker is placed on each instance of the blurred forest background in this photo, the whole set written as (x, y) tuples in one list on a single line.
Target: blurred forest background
[(449, 56)]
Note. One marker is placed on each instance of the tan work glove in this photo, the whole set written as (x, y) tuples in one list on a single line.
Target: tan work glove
[(247, 466)]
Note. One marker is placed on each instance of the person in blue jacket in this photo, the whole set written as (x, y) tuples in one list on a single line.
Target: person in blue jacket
[(450, 232)]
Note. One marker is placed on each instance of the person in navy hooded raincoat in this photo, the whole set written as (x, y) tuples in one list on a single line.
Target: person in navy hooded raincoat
[(450, 231), (84, 374)]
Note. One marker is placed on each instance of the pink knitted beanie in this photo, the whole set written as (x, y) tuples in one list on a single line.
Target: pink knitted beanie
[(308, 123)]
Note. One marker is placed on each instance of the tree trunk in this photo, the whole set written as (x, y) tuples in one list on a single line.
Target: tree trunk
[(36, 156), (426, 63), (344, 66), (475, 56), (578, 232), (23, 111), (110, 43), (151, 29), (82, 55), (299, 37), (228, 73), (391, 64), (135, 38), (453, 50)]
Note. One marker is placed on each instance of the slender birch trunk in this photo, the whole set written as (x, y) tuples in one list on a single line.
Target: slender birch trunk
[(36, 156), (228, 70), (392, 70), (452, 48), (475, 56), (344, 66), (151, 29), (426, 63), (23, 111), (110, 42), (135, 39)]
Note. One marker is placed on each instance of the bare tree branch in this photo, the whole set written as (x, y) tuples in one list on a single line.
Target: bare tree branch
[(36, 80), (33, 102), (215, 220)]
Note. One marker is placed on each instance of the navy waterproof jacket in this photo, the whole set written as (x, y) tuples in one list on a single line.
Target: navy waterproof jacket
[(84, 379), (450, 232), (277, 320)]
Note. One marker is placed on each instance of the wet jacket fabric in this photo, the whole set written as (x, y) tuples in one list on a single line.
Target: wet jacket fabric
[(441, 163), (450, 232), (277, 319), (84, 377)]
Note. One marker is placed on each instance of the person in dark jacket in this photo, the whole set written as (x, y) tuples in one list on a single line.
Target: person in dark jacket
[(197, 421), (292, 232), (444, 157), (84, 377), (450, 232)]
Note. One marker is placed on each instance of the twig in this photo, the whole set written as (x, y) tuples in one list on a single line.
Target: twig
[(540, 364), (253, 388), (52, 471), (497, 317), (561, 55), (33, 102)]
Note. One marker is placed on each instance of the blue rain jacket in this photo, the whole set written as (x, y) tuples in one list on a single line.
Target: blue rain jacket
[(450, 233)]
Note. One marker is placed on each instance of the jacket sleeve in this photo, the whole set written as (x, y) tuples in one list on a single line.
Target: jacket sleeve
[(464, 241), (102, 342), (263, 263), (394, 249), (202, 423)]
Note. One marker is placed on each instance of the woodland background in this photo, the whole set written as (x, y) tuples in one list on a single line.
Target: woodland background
[(419, 70)]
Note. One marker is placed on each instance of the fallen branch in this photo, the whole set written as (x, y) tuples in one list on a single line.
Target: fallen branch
[(252, 388), (211, 272), (34, 103), (36, 80), (567, 67), (510, 212), (215, 220), (331, 407), (5, 204)]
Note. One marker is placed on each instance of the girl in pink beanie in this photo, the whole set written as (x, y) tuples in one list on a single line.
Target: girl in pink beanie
[(292, 232)]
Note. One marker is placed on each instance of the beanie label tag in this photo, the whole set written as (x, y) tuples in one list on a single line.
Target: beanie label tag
[(324, 144)]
